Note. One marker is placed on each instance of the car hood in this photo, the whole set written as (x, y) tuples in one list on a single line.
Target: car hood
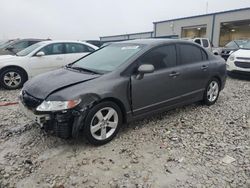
[(229, 49), (45, 84), (242, 53), (8, 57)]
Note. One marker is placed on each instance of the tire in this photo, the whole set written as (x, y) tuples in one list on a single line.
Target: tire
[(212, 92), (97, 124), (17, 76)]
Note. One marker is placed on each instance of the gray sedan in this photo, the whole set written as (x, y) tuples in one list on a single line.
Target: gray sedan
[(120, 83)]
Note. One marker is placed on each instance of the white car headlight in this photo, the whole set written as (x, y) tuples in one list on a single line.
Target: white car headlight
[(231, 58), (57, 105)]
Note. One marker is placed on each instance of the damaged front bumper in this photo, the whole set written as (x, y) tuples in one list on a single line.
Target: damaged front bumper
[(64, 124), (38, 119)]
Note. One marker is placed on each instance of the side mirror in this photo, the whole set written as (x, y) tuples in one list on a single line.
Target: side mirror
[(40, 54), (144, 69)]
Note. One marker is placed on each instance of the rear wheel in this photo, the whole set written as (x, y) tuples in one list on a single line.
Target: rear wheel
[(12, 78), (212, 92), (102, 123)]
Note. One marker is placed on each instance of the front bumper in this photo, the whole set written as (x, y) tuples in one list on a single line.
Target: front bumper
[(38, 119), (63, 124), (238, 73)]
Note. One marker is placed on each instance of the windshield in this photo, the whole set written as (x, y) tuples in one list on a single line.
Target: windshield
[(5, 44), (108, 58), (30, 49), (243, 44)]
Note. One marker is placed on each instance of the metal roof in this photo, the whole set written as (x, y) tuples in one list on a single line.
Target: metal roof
[(153, 41), (127, 34), (210, 14)]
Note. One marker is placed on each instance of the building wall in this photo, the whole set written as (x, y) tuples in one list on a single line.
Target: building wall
[(175, 27), (141, 35), (127, 37), (228, 17), (212, 22), (114, 38)]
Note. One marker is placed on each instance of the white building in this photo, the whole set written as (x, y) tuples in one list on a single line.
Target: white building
[(219, 27)]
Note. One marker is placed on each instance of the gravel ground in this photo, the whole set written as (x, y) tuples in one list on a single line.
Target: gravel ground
[(192, 146)]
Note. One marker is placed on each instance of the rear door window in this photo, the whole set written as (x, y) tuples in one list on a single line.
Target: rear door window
[(205, 43), (77, 48), (161, 57), (190, 54)]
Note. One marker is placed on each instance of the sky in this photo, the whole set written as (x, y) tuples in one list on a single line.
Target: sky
[(90, 19)]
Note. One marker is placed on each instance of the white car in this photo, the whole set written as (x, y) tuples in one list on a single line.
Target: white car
[(39, 58), (239, 61)]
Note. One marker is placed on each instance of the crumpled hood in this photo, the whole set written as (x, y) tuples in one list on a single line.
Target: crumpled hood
[(43, 85)]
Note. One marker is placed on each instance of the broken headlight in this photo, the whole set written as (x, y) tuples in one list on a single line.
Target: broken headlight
[(47, 106)]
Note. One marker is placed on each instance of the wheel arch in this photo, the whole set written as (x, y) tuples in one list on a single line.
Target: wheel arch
[(219, 79), (15, 67), (119, 104)]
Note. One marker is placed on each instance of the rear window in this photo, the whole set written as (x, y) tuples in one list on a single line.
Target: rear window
[(77, 48), (190, 54), (205, 43)]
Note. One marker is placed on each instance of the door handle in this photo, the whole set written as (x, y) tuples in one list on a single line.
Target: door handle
[(204, 67), (59, 58), (174, 74)]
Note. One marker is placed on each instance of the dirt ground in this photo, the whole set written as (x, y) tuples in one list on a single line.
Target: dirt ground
[(192, 146)]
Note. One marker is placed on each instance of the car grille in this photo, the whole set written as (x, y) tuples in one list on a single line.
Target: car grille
[(245, 65), (30, 101), (243, 58)]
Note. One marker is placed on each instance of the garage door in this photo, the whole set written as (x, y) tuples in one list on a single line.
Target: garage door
[(194, 31), (234, 31)]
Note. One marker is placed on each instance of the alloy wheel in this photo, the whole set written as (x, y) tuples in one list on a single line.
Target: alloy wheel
[(212, 91), (104, 123), (12, 79)]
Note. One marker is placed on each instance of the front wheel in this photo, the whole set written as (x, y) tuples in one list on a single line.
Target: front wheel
[(102, 123), (12, 78), (212, 92)]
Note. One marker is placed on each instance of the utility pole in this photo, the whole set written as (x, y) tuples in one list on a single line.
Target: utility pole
[(207, 7)]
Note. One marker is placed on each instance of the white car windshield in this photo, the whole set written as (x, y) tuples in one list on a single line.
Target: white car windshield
[(108, 58), (30, 49), (245, 44)]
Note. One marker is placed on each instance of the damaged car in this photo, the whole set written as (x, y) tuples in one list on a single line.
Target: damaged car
[(120, 83)]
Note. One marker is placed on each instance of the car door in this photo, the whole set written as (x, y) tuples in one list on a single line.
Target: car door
[(75, 51), (194, 69), (159, 88), (52, 59)]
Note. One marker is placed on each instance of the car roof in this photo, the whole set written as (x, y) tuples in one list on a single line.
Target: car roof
[(66, 41)]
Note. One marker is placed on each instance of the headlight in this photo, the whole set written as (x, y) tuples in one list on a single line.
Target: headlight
[(231, 58), (57, 105)]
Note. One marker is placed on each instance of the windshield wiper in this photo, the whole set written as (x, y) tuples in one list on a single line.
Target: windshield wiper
[(82, 69)]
